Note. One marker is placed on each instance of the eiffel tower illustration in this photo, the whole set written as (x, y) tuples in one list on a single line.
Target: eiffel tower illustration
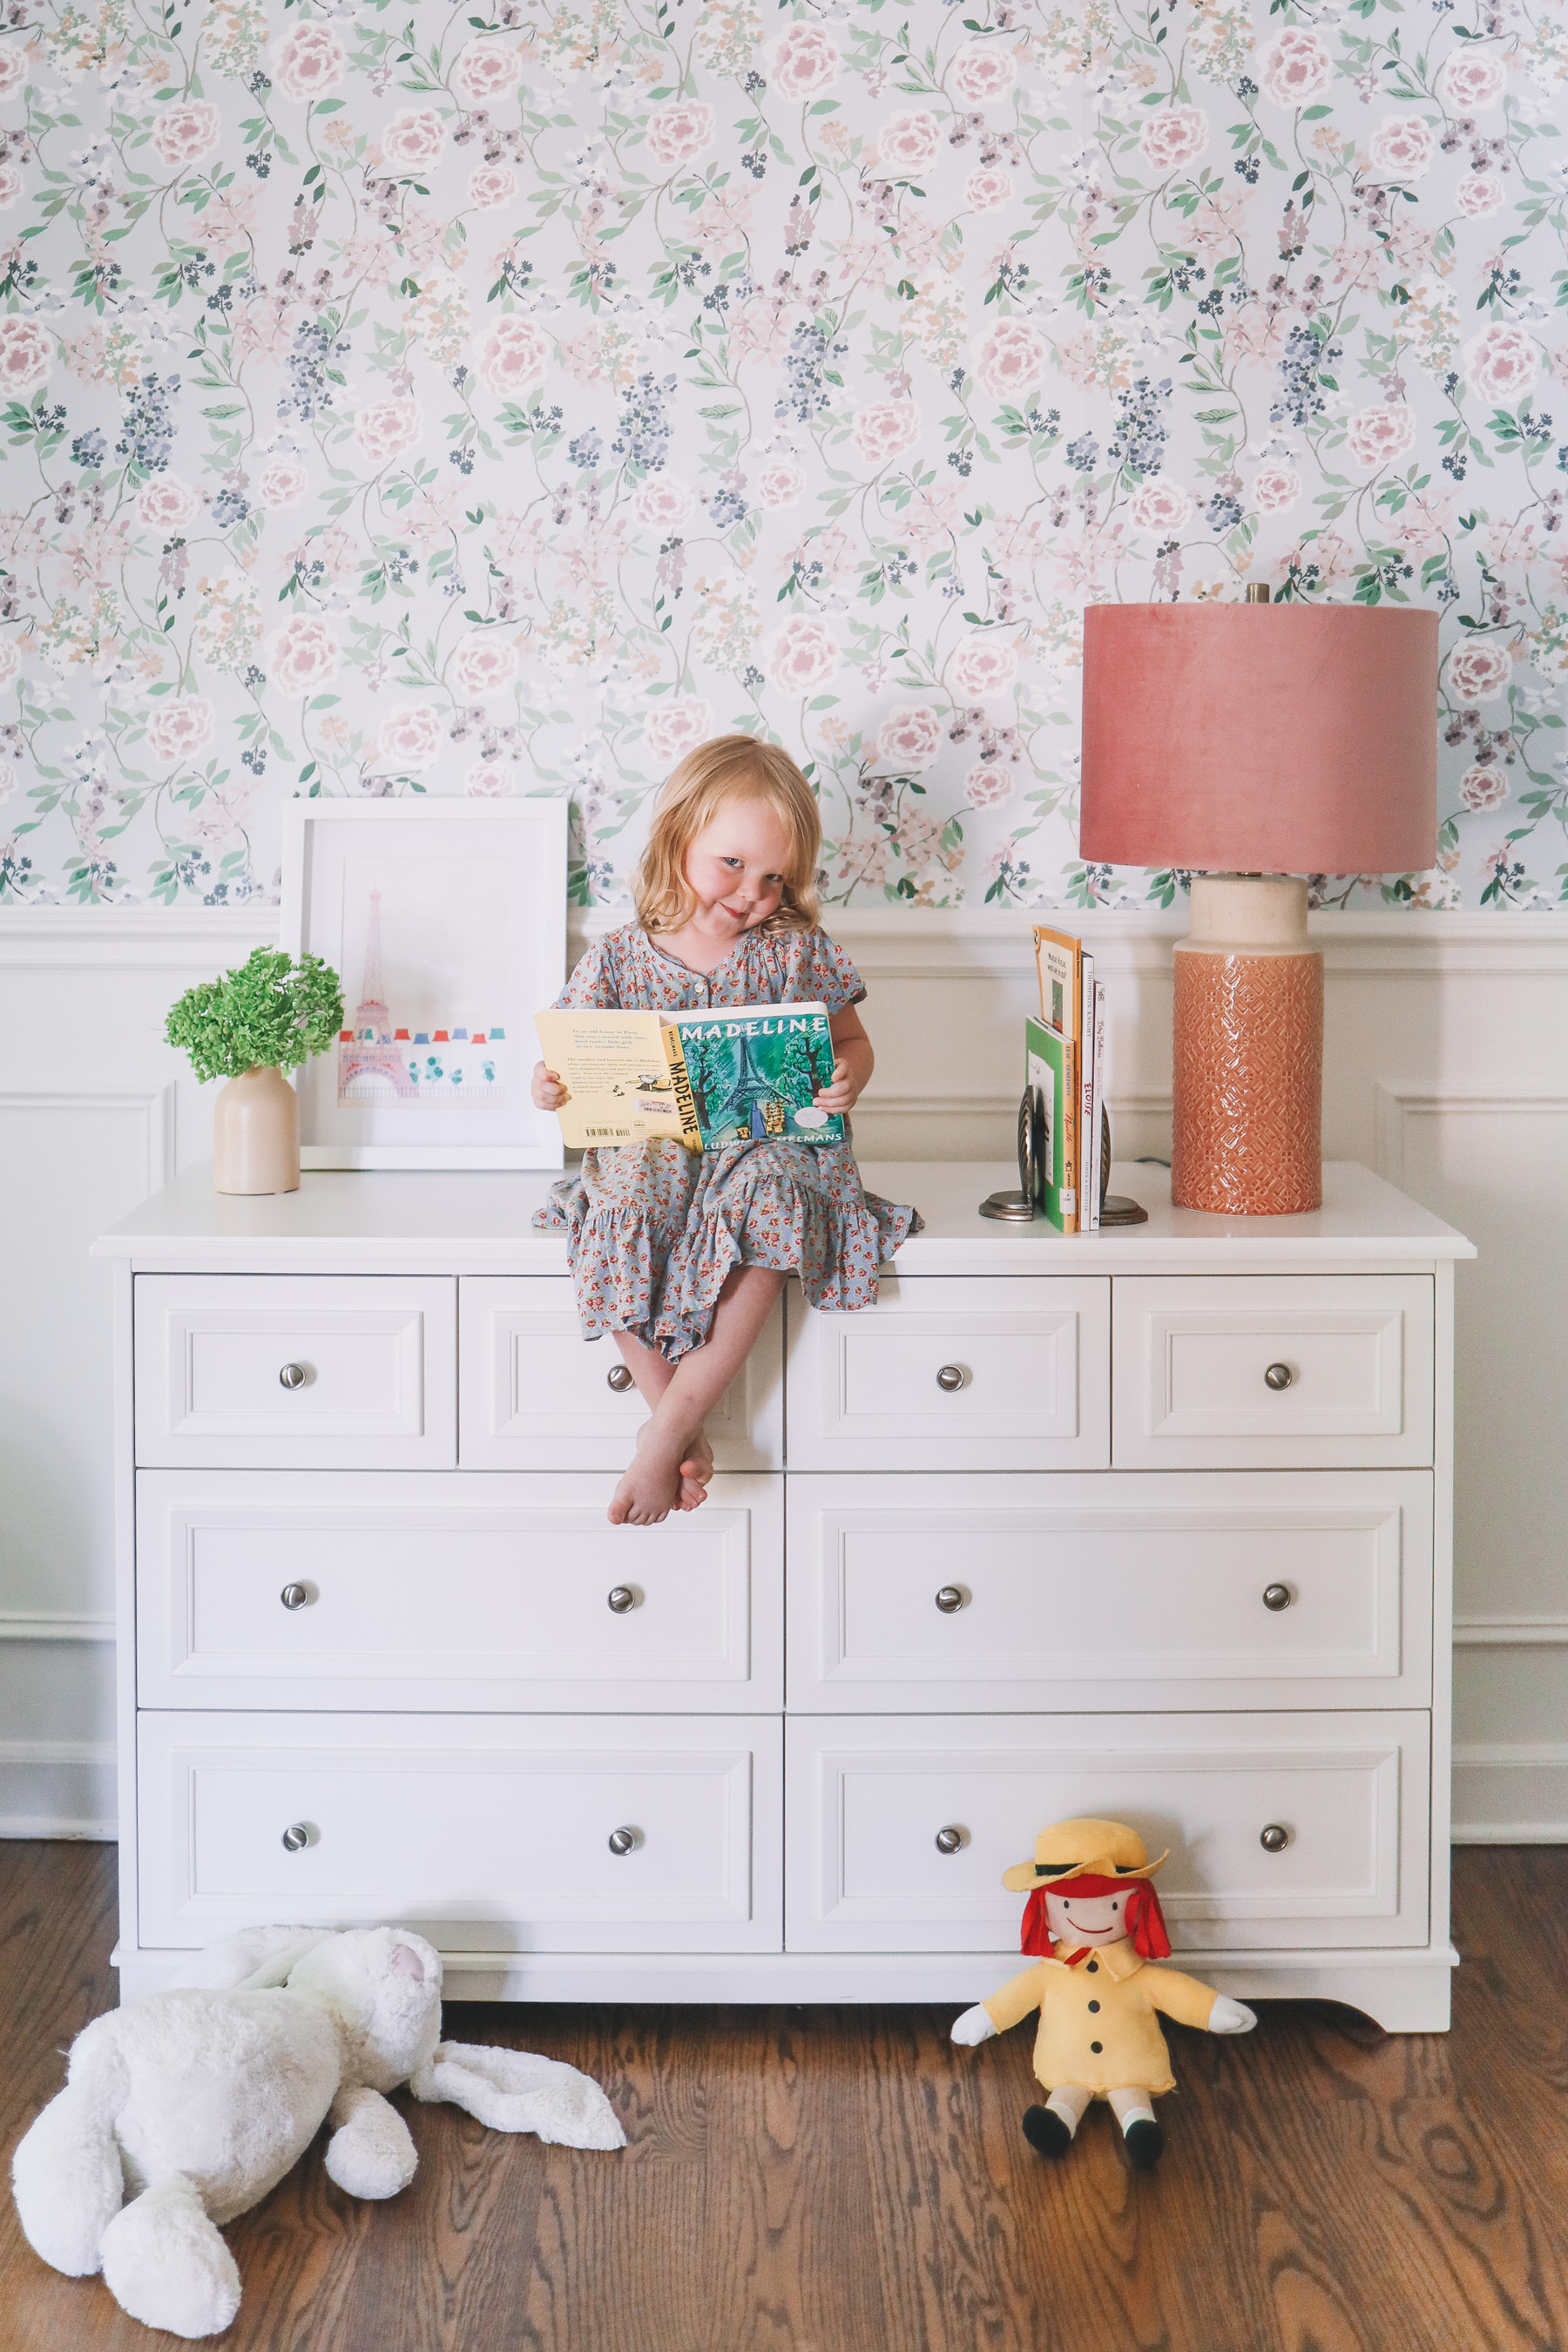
[(370, 1049)]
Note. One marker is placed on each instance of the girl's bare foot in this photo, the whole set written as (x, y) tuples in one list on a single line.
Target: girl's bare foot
[(651, 1488), (696, 1470)]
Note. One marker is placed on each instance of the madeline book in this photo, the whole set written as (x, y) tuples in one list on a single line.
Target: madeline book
[(708, 1078)]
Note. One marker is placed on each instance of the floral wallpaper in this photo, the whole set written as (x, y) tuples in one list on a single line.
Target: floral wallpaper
[(411, 397)]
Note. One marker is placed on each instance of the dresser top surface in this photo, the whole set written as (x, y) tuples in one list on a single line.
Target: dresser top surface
[(481, 1223)]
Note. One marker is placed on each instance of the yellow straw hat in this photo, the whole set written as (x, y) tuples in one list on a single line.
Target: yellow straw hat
[(1089, 1849)]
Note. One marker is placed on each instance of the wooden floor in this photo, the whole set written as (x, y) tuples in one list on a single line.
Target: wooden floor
[(820, 2181)]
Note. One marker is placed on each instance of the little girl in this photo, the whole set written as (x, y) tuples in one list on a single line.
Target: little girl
[(681, 1256)]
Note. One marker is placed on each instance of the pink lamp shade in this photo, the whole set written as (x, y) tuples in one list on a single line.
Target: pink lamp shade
[(1260, 739)]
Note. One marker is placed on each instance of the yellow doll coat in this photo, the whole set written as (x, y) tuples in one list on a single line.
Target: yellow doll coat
[(1099, 2021)]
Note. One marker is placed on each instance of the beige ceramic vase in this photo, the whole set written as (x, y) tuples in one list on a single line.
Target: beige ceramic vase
[(256, 1134)]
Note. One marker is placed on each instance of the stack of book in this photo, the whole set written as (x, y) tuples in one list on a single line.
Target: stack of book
[(1065, 1064)]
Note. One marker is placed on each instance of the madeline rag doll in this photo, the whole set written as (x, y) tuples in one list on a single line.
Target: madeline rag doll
[(1094, 1922)]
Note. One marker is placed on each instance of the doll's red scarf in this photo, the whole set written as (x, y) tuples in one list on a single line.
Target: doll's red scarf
[(1145, 1920)]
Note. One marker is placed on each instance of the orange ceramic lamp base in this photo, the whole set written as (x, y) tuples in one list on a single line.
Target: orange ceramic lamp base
[(1248, 1063)]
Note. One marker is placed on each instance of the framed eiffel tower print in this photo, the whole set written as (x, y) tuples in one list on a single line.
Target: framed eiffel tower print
[(446, 922)]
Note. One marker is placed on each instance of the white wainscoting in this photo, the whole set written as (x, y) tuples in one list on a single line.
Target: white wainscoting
[(1447, 1047)]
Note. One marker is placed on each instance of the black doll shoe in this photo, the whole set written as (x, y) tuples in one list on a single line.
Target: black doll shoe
[(1044, 2129), (1145, 2143)]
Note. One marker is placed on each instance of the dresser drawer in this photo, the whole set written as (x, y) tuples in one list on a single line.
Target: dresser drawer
[(536, 1396), (272, 1589), (1291, 1371), (485, 1832), (1111, 1591), (866, 1796), (949, 1373), (355, 1371)]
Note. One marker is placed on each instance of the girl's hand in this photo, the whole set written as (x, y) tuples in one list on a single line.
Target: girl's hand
[(843, 1092), (547, 1091)]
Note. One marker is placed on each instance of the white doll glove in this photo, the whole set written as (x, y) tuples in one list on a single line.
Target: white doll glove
[(974, 2026), (1229, 2016)]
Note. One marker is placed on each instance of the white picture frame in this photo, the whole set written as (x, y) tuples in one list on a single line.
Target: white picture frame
[(455, 910)]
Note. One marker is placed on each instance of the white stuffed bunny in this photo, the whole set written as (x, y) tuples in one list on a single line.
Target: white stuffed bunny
[(195, 2103)]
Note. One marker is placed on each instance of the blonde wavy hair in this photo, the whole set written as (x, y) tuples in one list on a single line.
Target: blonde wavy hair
[(730, 768)]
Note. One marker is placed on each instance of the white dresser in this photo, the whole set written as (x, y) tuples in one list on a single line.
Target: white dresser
[(1153, 1523)]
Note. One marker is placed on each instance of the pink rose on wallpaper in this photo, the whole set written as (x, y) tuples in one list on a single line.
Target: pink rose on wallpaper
[(27, 353), (780, 483), (1403, 147), (1159, 506), (511, 355), (1295, 67), (487, 70), (678, 134), (1472, 79), (165, 503), (982, 667), (803, 655), (488, 779), (308, 62), (989, 783), (10, 658), (281, 483), (491, 186), (907, 145), (184, 134), (13, 69), (987, 189), (408, 738), (1501, 362), (664, 503), (303, 655), (1483, 788), (677, 726), (1479, 194), (1010, 360), (1376, 436), (387, 428), (176, 731), (1173, 136), (909, 738), (10, 185), (803, 62), (414, 140), (1276, 487), (981, 73), (483, 664), (1479, 673), (885, 429)]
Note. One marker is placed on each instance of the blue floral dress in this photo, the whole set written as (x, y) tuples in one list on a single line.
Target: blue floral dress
[(653, 1228)]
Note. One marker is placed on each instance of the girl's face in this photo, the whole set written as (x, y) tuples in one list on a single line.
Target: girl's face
[(736, 866), (1075, 1919)]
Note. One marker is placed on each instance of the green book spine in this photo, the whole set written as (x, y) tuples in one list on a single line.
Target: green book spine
[(1049, 1064)]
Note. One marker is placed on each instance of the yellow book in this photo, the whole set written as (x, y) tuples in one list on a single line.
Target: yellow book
[(1058, 958), (625, 1077)]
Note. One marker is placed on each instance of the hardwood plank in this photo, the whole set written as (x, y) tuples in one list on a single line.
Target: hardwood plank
[(846, 2180)]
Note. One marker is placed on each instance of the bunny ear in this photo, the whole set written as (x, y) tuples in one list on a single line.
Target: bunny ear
[(511, 2090)]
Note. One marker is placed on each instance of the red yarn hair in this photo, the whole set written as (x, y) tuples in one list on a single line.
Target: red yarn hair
[(1145, 1920)]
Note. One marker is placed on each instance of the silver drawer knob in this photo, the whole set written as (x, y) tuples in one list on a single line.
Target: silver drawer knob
[(1274, 1840), (619, 1378), (296, 1837), (1276, 1596), (950, 1377), (949, 1599), (620, 1598), (950, 1839), (622, 1841), (292, 1376), (1278, 1376), (295, 1596)]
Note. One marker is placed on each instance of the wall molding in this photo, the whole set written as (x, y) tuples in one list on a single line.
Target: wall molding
[(156, 1104), (1395, 1103), (53, 1626), (1510, 1632), (57, 1789), (1511, 1792)]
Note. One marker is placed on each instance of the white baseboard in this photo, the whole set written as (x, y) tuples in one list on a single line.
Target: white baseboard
[(1511, 1792), (57, 1789)]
